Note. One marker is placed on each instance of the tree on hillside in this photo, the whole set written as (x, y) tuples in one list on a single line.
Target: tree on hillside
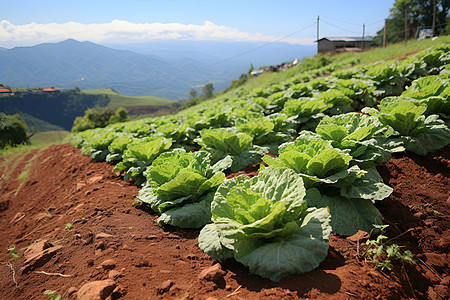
[(13, 130), (208, 90), (192, 93), (99, 117), (419, 16)]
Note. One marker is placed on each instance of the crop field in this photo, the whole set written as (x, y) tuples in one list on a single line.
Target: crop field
[(329, 183), (118, 100)]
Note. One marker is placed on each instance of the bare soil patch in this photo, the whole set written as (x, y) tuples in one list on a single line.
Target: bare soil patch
[(123, 254)]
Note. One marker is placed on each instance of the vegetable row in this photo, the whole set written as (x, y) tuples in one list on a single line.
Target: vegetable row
[(319, 158)]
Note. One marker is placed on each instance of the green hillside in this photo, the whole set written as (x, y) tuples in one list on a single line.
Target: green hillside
[(311, 156), (391, 52), (40, 139), (118, 100)]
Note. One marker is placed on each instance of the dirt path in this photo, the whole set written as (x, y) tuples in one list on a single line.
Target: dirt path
[(97, 242)]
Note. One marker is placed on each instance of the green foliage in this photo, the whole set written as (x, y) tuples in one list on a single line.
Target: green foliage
[(433, 91), (207, 93), (180, 187), (419, 133), (382, 253), (13, 131), (226, 144), (52, 295), (340, 187), (267, 132), (15, 252), (99, 117), (264, 223), (276, 222), (419, 14), (57, 108), (207, 90), (364, 137), (313, 158), (137, 157)]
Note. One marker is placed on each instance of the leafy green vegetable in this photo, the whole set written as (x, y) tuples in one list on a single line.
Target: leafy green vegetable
[(364, 136), (313, 158), (267, 132), (264, 223), (180, 187), (96, 143), (238, 146), (137, 157), (420, 134), (340, 102), (433, 91), (343, 187), (348, 215), (387, 77), (118, 146)]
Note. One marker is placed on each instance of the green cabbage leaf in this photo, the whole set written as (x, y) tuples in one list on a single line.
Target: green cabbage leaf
[(180, 186), (223, 143), (264, 223)]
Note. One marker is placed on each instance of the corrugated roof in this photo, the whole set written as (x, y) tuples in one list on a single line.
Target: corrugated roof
[(345, 39)]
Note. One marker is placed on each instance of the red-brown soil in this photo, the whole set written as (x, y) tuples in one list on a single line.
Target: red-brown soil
[(43, 190)]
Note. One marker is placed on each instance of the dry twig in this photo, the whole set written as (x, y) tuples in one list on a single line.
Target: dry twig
[(430, 268), (52, 274), (351, 294), (235, 291), (13, 272)]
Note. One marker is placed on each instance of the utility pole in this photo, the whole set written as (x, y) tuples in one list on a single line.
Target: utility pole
[(318, 28), (364, 31), (406, 24), (384, 33), (317, 34), (434, 16)]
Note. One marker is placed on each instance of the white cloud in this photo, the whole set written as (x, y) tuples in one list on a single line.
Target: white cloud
[(119, 31)]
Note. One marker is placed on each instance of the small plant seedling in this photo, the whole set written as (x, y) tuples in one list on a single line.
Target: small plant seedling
[(69, 226), (435, 212), (382, 253), (52, 295), (15, 252), (384, 264), (12, 249)]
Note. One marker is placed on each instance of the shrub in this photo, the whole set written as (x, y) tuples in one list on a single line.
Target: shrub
[(13, 130)]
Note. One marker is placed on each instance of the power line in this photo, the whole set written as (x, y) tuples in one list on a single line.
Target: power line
[(343, 21), (340, 27), (264, 45), (375, 23)]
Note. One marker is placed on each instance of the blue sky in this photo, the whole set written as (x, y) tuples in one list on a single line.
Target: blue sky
[(29, 22)]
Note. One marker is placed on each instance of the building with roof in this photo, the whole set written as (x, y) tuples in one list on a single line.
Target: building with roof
[(50, 90), (335, 45), (5, 92)]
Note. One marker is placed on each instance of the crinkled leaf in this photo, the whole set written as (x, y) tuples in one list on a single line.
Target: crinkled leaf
[(370, 187), (212, 183), (146, 195), (183, 185), (327, 162), (347, 215), (434, 135), (209, 242), (192, 215), (297, 253)]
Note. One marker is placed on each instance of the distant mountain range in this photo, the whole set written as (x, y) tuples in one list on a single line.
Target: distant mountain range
[(163, 69)]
